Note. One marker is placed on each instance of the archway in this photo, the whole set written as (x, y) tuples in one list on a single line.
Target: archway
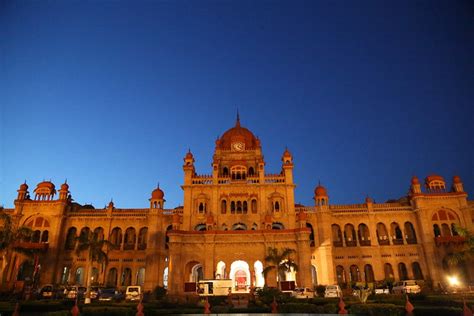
[(240, 275), (220, 270), (259, 279)]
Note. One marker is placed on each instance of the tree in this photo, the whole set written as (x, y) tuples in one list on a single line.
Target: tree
[(281, 262), (465, 252), (90, 243), (11, 238)]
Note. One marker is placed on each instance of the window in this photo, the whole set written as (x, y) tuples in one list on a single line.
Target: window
[(254, 206), (238, 172), (223, 206)]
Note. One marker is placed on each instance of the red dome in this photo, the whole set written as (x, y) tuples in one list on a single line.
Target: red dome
[(434, 177), (238, 134), (320, 191), (46, 184), (189, 155), (64, 187), (157, 194), (287, 153), (414, 180), (457, 179), (23, 187)]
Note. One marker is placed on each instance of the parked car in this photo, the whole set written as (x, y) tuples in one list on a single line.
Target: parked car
[(303, 292), (333, 291), (407, 286), (381, 290), (75, 291), (109, 294), (133, 293), (94, 292), (46, 291)]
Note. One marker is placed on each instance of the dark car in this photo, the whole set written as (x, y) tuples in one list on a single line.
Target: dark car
[(109, 294)]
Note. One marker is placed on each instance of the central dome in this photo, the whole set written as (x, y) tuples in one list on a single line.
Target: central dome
[(238, 134)]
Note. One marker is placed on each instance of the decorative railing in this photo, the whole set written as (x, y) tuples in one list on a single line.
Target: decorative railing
[(384, 242), (274, 178), (364, 243), (411, 241), (397, 241), (337, 243), (445, 240), (351, 243), (31, 245), (305, 209)]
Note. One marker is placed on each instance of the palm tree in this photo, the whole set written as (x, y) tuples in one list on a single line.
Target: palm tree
[(465, 252), (10, 242), (88, 241), (281, 262)]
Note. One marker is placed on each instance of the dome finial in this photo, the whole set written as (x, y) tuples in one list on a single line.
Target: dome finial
[(237, 122)]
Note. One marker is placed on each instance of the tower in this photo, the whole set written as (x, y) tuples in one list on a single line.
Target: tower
[(157, 200)]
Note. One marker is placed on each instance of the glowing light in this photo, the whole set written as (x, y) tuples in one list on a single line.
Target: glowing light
[(453, 280)]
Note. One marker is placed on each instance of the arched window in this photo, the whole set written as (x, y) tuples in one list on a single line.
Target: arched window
[(341, 275), (116, 237), (417, 274), (44, 236), (244, 206), (277, 206), (201, 207), (112, 277), (311, 236), (410, 234), (200, 227), (126, 279), (99, 234), (167, 238), (454, 231), (350, 235), (336, 235), (364, 235), (254, 226), (130, 239), (239, 226), (388, 270), (36, 237), (80, 276), (382, 234), (254, 206), (223, 206), (436, 230), (142, 238), (396, 232), (239, 207), (355, 273), (232, 207), (369, 273), (225, 172), (445, 230), (71, 239), (238, 172), (277, 226), (402, 271), (251, 171), (141, 276)]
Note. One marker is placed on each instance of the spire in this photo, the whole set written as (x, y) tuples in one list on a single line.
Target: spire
[(237, 122)]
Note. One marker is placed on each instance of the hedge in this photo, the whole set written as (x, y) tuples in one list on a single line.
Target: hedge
[(300, 308), (377, 309)]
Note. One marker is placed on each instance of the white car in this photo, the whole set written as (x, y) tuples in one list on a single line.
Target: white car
[(303, 292), (333, 291), (133, 293), (407, 286)]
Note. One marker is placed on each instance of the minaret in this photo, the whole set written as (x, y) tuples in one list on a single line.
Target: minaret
[(321, 198), (457, 184), (157, 200), (188, 168), (64, 191), (22, 192), (415, 185), (287, 160)]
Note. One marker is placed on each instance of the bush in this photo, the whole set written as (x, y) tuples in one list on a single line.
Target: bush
[(266, 295), (159, 292), (107, 311), (300, 308), (437, 310), (377, 309), (320, 289)]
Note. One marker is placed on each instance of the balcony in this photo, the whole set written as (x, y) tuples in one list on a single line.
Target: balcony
[(337, 243), (31, 245), (351, 243), (128, 246), (384, 242), (411, 241), (446, 240), (365, 243), (141, 246), (397, 241)]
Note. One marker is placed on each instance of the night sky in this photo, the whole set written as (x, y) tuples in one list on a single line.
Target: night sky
[(111, 94)]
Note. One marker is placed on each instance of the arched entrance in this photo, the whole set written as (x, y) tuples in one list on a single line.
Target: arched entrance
[(240, 275), (220, 270), (259, 279)]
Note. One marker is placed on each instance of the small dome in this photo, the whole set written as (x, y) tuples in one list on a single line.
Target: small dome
[(189, 155), (157, 194), (23, 187), (414, 180), (238, 134), (64, 187), (286, 153), (46, 184), (434, 177), (457, 179), (320, 191)]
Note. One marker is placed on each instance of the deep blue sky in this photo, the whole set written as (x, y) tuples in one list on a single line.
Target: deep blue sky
[(110, 94)]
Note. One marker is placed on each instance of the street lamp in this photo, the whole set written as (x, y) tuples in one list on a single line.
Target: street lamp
[(453, 280)]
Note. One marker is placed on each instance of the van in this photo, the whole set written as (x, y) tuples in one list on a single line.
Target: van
[(407, 286), (333, 291), (133, 293)]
